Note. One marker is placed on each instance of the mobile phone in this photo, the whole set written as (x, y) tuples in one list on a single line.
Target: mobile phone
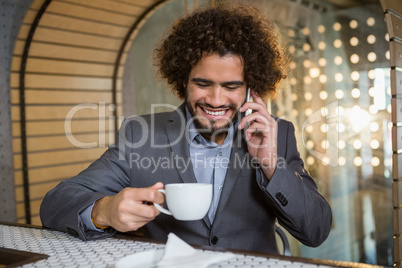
[(249, 111)]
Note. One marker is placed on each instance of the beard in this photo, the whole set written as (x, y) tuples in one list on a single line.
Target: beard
[(209, 128)]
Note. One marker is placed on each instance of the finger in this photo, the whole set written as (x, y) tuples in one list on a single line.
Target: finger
[(145, 213), (257, 97), (145, 194), (138, 211), (133, 221), (256, 107), (256, 117), (156, 186), (250, 105), (246, 120), (258, 100), (258, 128)]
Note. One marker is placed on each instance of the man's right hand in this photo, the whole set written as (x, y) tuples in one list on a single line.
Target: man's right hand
[(129, 209)]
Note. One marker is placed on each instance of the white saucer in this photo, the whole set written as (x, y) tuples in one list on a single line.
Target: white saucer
[(144, 259)]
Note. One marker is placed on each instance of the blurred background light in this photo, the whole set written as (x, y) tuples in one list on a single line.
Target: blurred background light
[(321, 29), (308, 111), (375, 161), (357, 144), (357, 161), (337, 26), (355, 93), (337, 43), (323, 78), (370, 21), (354, 58), (321, 45), (341, 161), (309, 129), (339, 94), (308, 96), (371, 74), (338, 77), (354, 41), (338, 60), (372, 56), (341, 144), (353, 24), (359, 118), (314, 72), (371, 39), (374, 126), (355, 75), (374, 144), (323, 95), (322, 62)]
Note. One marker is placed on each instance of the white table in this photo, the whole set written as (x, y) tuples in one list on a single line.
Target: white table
[(64, 250)]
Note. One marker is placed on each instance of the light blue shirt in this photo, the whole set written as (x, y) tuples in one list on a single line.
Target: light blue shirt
[(210, 160)]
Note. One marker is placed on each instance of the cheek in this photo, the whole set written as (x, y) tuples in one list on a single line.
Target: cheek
[(194, 95), (191, 100), (237, 100)]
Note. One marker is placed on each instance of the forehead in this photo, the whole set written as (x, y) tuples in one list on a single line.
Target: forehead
[(222, 68)]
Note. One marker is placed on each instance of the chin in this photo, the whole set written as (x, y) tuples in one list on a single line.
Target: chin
[(213, 128)]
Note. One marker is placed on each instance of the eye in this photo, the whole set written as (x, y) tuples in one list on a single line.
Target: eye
[(202, 85), (232, 87)]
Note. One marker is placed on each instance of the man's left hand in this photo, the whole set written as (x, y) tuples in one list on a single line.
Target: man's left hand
[(261, 134)]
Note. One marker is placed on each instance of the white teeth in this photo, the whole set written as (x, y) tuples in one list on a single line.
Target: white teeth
[(214, 113)]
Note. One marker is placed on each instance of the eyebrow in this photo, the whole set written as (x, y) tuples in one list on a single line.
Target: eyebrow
[(203, 80)]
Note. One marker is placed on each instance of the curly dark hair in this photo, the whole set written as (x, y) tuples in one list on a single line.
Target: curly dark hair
[(225, 28)]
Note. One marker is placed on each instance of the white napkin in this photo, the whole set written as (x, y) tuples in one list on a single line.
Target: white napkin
[(179, 254)]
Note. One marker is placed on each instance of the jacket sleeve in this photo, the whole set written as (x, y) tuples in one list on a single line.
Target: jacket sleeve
[(293, 194), (61, 207)]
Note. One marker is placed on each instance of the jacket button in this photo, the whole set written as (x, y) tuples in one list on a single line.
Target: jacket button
[(214, 240), (281, 199)]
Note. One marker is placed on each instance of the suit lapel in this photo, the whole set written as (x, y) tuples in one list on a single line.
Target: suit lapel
[(177, 135), (176, 132)]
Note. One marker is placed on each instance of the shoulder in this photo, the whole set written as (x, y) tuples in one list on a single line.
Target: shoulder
[(284, 125)]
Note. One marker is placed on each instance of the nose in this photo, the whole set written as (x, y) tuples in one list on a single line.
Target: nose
[(216, 97)]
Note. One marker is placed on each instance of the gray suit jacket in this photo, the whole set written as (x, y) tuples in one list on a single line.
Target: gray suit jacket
[(154, 148)]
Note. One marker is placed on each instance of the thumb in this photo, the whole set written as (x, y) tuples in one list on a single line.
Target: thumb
[(156, 186)]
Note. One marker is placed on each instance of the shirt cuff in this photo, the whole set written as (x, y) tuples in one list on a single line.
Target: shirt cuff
[(262, 180), (85, 216)]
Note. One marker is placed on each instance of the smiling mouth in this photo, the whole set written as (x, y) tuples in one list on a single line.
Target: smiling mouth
[(214, 113)]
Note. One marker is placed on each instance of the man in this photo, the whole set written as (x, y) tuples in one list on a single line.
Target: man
[(210, 58)]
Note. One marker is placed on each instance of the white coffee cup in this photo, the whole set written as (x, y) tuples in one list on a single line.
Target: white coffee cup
[(187, 201)]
